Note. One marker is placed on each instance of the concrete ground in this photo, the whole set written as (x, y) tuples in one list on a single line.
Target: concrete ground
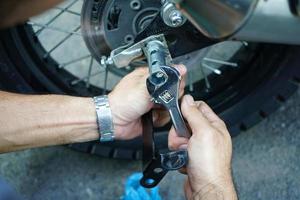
[(266, 165)]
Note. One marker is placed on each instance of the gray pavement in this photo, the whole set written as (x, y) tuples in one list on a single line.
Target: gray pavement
[(266, 165)]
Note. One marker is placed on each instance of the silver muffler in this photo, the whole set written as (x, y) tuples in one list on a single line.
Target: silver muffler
[(274, 21)]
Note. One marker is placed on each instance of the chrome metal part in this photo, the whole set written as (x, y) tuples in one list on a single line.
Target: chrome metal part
[(271, 21), (104, 119), (171, 15), (125, 55), (217, 18), (246, 20), (220, 62), (163, 86), (163, 82), (167, 94), (135, 4), (159, 165), (110, 24), (157, 54), (174, 160)]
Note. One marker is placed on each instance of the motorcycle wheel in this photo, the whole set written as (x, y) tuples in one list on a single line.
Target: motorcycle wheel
[(269, 75)]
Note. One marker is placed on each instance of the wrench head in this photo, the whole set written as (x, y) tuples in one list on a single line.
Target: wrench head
[(165, 91), (174, 160)]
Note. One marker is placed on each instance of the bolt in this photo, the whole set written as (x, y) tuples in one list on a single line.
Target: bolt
[(176, 18), (106, 61), (135, 5), (159, 75), (163, 2), (129, 39)]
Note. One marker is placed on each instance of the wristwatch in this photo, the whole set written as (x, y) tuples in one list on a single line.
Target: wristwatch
[(104, 119)]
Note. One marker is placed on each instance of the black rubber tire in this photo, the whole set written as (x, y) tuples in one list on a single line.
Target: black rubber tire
[(19, 73)]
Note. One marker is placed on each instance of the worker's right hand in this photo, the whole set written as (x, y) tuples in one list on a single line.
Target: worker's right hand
[(210, 151)]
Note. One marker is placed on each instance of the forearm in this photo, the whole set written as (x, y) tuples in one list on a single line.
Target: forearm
[(16, 11), (28, 121)]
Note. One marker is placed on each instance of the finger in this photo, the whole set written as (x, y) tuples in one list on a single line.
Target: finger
[(175, 142), (160, 117), (182, 87), (208, 112), (141, 71), (196, 120), (183, 171), (188, 190), (140, 76), (181, 69), (211, 116)]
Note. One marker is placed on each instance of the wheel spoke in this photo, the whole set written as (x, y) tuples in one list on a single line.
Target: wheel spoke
[(105, 81), (55, 17), (53, 28), (207, 83), (75, 82), (208, 66), (68, 11), (63, 65), (61, 42), (89, 73), (220, 62), (190, 80), (216, 71), (246, 44)]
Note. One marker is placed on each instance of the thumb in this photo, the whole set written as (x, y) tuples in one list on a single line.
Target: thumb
[(181, 69), (193, 115)]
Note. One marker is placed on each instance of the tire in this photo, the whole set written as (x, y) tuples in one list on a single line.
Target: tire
[(272, 76)]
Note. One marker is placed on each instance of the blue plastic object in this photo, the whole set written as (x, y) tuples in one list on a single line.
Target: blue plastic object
[(7, 192), (134, 191)]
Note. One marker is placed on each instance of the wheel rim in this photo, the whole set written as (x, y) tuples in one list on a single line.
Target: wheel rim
[(261, 61), (210, 67)]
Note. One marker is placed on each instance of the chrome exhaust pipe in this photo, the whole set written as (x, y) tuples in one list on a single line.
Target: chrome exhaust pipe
[(274, 21)]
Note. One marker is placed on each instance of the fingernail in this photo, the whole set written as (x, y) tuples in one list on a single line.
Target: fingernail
[(181, 68), (177, 67), (190, 100), (183, 147)]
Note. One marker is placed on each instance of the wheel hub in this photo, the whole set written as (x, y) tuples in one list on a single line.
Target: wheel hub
[(104, 27)]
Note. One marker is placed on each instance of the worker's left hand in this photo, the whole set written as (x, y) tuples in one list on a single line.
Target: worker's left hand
[(130, 100)]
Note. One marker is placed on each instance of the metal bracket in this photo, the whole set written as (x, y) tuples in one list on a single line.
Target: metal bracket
[(156, 164), (123, 56)]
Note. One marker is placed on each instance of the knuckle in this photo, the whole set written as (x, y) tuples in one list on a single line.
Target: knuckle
[(223, 123), (140, 71), (171, 145)]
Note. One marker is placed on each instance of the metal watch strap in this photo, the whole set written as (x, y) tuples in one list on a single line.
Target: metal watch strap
[(104, 119)]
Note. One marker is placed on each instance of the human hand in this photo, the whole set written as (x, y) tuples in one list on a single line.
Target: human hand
[(130, 100), (210, 151)]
